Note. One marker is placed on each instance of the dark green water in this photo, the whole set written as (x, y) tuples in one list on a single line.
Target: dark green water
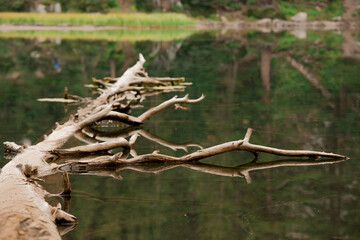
[(294, 93)]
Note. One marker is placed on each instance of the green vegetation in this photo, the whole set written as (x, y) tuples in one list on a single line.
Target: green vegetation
[(210, 9), (287, 9), (196, 7), (331, 10), (107, 35), (78, 5), (111, 19)]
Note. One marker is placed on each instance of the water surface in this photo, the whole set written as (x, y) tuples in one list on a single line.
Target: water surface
[(294, 93)]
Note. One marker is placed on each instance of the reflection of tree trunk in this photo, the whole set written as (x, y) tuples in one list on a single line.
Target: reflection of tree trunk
[(112, 67), (314, 80), (130, 55), (167, 5), (164, 54), (265, 70), (265, 66), (350, 6), (350, 47), (83, 70), (342, 101)]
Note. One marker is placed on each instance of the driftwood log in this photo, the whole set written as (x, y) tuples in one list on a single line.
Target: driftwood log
[(24, 212)]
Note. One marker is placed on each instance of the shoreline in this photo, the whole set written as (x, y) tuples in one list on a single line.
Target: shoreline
[(263, 25)]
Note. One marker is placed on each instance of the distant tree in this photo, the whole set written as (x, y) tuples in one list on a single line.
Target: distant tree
[(158, 5), (196, 7), (88, 5), (14, 5)]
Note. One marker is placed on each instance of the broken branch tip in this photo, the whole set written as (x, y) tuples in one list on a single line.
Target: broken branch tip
[(141, 58)]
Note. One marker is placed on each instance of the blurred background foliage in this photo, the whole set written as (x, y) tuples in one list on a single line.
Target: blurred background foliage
[(213, 9)]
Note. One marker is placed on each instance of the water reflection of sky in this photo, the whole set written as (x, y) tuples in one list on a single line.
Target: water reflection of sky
[(295, 93)]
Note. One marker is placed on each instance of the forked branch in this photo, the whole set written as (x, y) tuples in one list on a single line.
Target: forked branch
[(243, 144), (170, 102), (140, 120)]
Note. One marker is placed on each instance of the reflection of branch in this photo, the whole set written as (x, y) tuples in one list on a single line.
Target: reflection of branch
[(238, 171), (140, 119), (91, 134), (115, 160), (244, 169)]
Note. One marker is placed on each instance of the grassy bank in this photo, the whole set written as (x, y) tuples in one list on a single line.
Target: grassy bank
[(111, 19), (133, 35)]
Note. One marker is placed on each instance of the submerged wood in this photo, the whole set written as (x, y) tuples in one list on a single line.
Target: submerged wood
[(23, 210)]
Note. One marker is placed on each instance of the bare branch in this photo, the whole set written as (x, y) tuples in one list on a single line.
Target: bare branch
[(143, 80), (172, 101), (95, 117), (11, 147), (92, 148), (248, 135), (212, 151), (164, 81), (165, 143), (123, 117)]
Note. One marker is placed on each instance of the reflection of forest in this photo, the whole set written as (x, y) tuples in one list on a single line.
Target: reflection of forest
[(296, 93)]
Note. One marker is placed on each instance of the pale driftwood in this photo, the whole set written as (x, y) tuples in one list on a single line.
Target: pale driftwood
[(232, 146), (24, 213), (89, 136), (173, 101), (146, 115), (115, 161), (11, 149), (123, 117), (16, 187), (35, 218), (92, 148), (61, 100)]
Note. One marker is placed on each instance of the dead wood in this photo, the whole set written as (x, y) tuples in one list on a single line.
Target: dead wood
[(114, 161), (92, 148), (23, 208)]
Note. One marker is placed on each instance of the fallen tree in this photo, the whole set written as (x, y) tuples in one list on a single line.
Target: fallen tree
[(24, 212)]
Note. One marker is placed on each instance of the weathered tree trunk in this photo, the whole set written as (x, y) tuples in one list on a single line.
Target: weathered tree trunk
[(23, 210)]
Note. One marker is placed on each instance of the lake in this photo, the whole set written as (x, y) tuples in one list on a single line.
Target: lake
[(295, 92)]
